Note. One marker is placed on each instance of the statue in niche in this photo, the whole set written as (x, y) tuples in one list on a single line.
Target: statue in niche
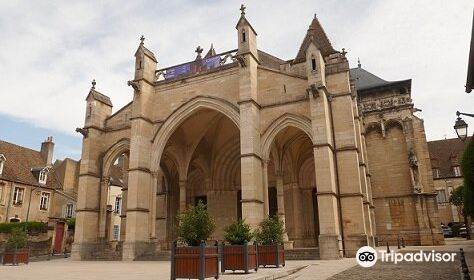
[(413, 161)]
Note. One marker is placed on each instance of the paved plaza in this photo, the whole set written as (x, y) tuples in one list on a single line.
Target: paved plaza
[(60, 269)]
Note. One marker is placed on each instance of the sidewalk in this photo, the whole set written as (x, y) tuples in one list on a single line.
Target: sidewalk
[(61, 269)]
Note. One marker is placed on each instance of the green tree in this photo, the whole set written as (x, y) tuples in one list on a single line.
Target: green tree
[(18, 239), (195, 225), (238, 233), (270, 231)]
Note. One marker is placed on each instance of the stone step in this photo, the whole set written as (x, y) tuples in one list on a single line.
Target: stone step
[(156, 256), (302, 254)]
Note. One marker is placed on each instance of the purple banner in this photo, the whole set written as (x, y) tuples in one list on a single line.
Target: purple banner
[(211, 62), (177, 71)]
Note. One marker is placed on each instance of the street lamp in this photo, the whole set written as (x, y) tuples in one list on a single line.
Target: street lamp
[(461, 126)]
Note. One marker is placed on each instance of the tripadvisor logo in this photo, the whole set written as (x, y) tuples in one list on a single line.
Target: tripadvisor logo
[(367, 256)]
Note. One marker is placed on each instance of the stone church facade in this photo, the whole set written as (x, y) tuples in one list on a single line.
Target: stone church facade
[(342, 159)]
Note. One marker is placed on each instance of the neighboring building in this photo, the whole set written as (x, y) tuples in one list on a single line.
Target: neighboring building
[(33, 189), (336, 152), (445, 158)]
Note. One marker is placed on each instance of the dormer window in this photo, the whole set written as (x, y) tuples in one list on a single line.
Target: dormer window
[(42, 177), (243, 36), (457, 171), (436, 173), (2, 163)]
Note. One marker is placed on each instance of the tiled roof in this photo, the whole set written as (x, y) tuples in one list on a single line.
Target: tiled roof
[(445, 154), (320, 39), (269, 60), (20, 162)]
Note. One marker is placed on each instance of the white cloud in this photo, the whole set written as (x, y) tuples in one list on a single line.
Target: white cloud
[(51, 51)]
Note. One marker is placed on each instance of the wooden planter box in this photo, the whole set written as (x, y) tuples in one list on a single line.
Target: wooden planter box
[(15, 257), (271, 255), (199, 262), (239, 257)]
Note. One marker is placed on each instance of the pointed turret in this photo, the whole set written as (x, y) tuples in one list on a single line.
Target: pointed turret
[(145, 63), (211, 52), (317, 35), (99, 107), (246, 35)]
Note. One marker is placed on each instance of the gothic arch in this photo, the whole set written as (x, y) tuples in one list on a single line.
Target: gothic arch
[(181, 114), (373, 127), (392, 123), (281, 123), (120, 147)]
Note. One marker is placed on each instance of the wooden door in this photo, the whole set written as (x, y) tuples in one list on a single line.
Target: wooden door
[(58, 238)]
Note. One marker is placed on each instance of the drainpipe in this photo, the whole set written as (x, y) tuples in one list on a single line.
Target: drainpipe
[(329, 98)]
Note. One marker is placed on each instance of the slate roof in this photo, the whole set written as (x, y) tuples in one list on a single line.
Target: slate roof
[(365, 80), (445, 154), (316, 34), (20, 163)]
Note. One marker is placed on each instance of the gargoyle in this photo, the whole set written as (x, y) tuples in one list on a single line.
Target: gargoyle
[(241, 60), (83, 131), (134, 85)]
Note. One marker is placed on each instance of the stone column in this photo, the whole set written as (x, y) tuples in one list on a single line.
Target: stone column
[(88, 202), (281, 207), (137, 240), (104, 200), (123, 210), (325, 174), (350, 188), (182, 195), (265, 188)]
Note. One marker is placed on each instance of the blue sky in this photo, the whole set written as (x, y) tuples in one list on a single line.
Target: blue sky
[(27, 135), (51, 50)]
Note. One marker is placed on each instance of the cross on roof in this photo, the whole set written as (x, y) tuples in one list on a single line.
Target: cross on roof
[(343, 52), (93, 84), (142, 38), (242, 10), (198, 50)]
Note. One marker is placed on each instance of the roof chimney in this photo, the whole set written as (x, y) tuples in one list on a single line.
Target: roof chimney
[(47, 148)]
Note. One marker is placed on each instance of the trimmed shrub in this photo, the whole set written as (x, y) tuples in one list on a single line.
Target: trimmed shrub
[(195, 225), (31, 227), (18, 239), (238, 233), (270, 231)]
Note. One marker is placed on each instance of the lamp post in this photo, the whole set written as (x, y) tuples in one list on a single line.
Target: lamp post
[(461, 126)]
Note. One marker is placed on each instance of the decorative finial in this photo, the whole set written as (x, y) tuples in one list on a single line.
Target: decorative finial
[(242, 10), (142, 39), (199, 50), (315, 16), (344, 52), (93, 84), (358, 63)]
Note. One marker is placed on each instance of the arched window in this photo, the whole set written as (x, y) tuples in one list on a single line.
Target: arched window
[(243, 36), (2, 163), (313, 63)]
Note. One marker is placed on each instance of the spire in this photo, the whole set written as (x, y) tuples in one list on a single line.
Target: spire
[(358, 63), (211, 52), (243, 20), (316, 35)]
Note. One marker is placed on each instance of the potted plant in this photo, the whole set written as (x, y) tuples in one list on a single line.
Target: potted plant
[(270, 234), (16, 251), (238, 255), (196, 260)]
